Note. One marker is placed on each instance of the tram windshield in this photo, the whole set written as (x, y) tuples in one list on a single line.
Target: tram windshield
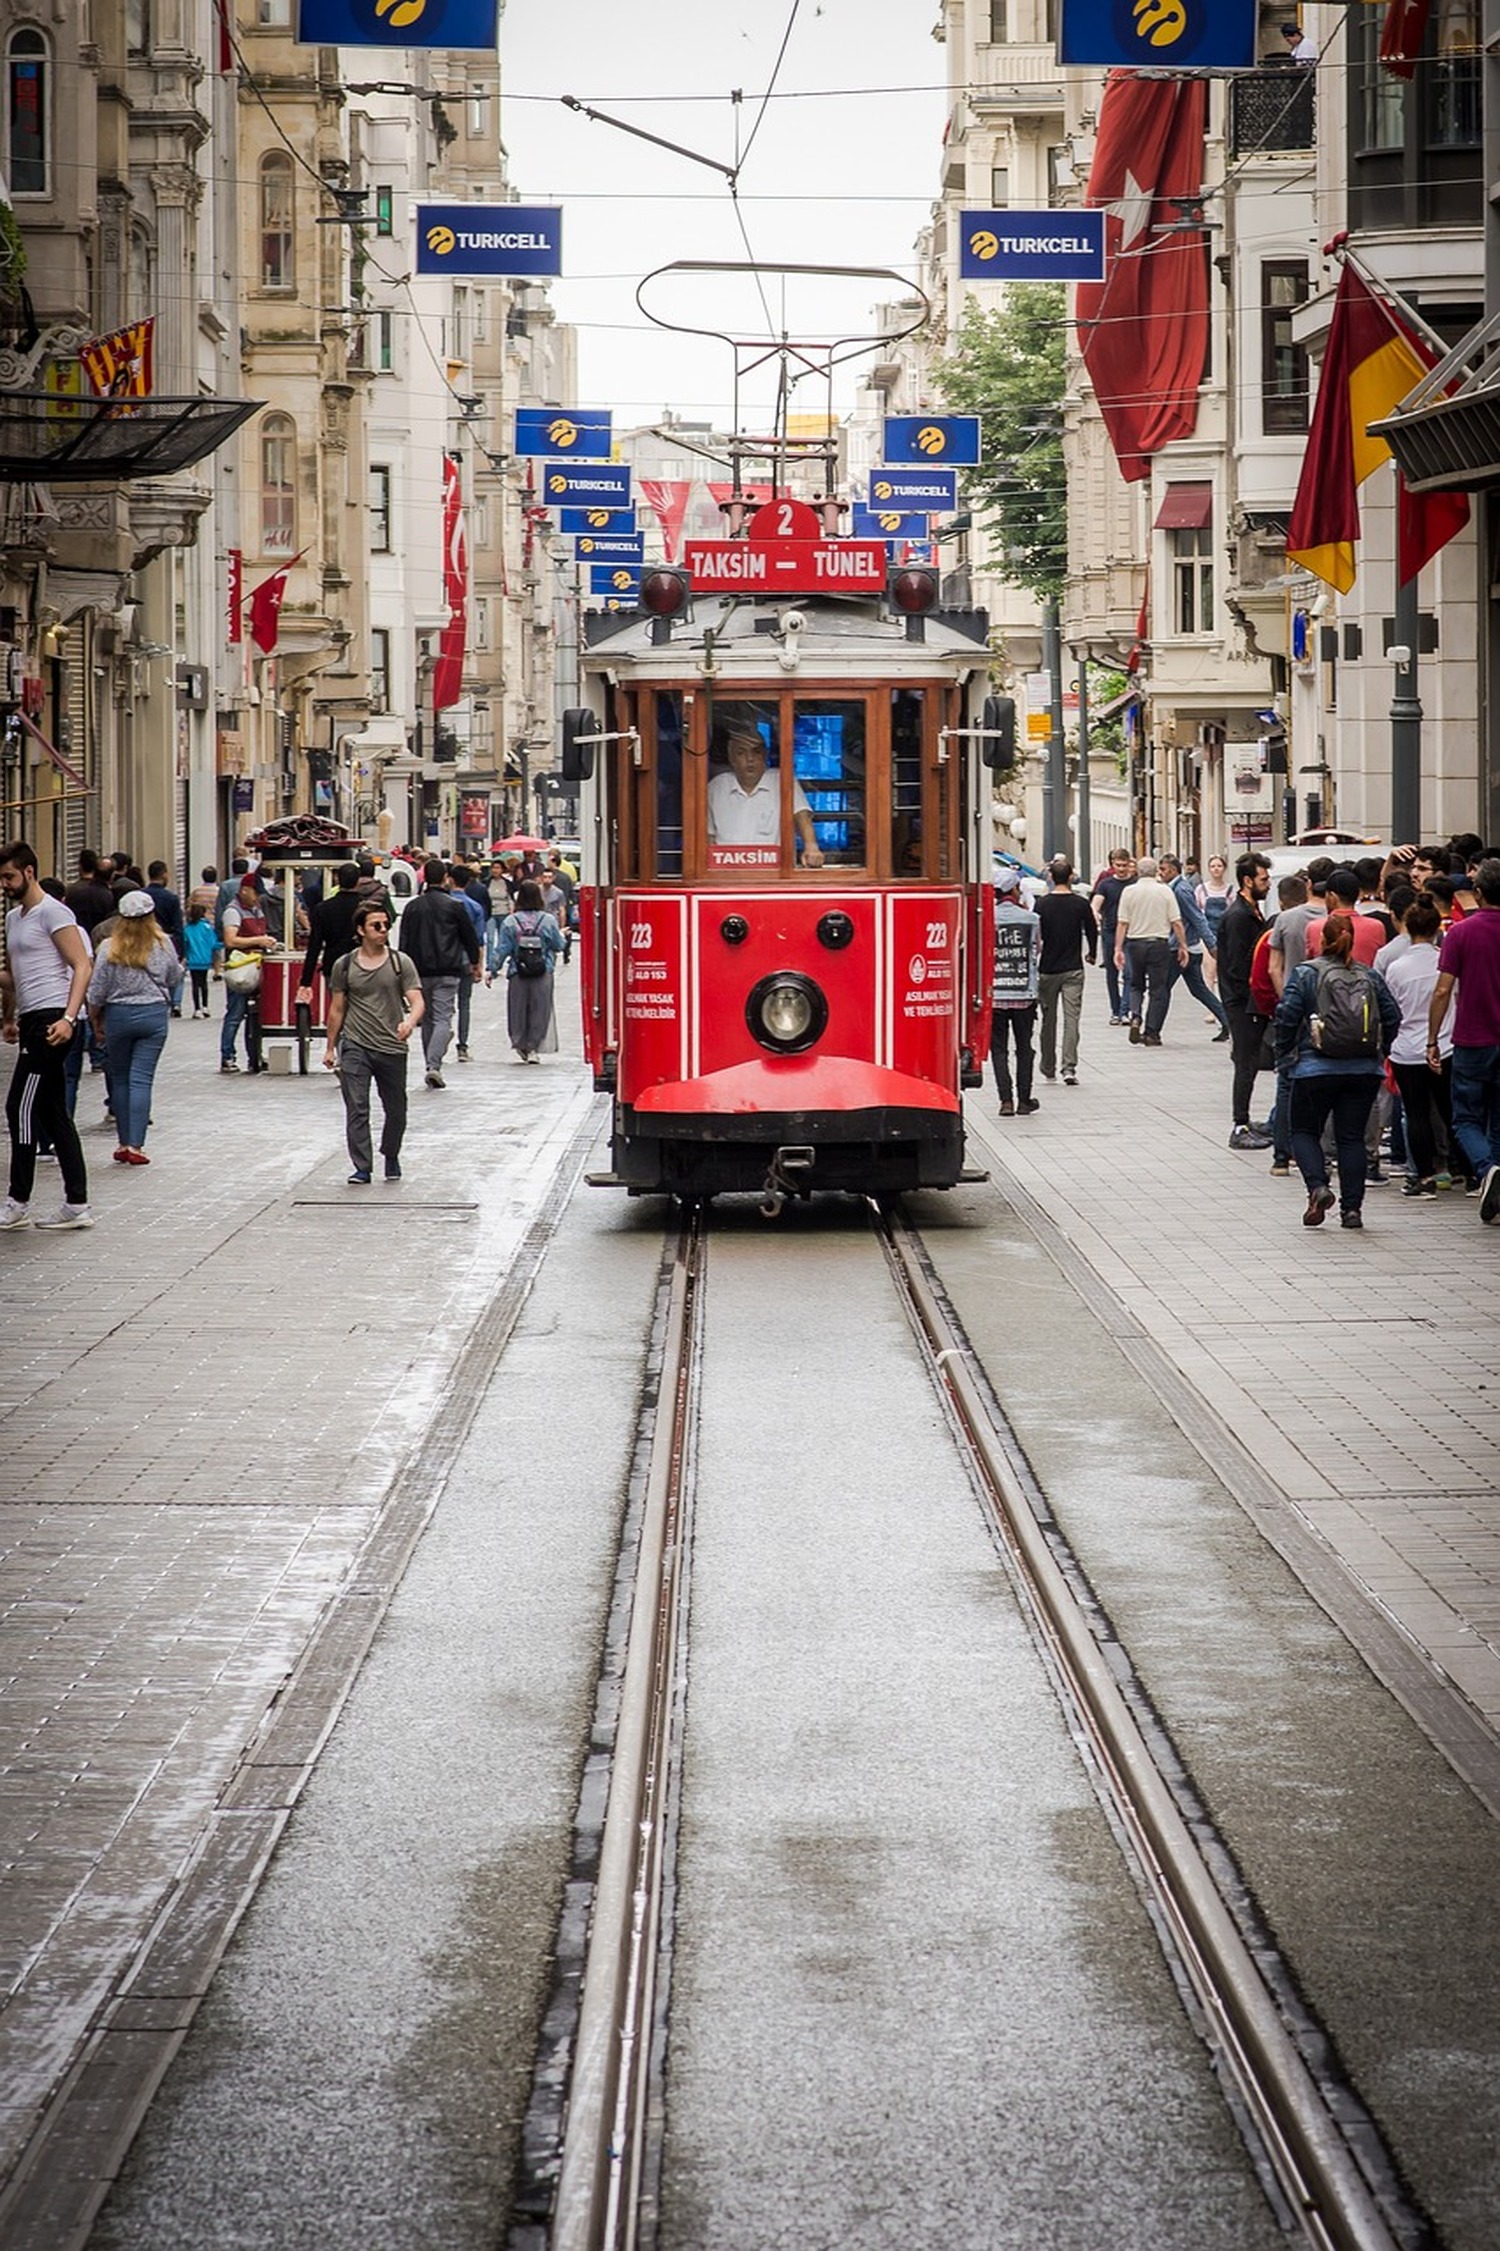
[(747, 794)]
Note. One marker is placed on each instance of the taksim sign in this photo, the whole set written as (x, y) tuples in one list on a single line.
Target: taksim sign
[(489, 238), (792, 566), (1031, 245)]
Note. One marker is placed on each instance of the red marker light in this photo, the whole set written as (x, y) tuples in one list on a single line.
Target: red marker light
[(664, 591), (913, 589)]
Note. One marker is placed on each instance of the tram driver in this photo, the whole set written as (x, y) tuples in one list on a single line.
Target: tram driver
[(744, 804)]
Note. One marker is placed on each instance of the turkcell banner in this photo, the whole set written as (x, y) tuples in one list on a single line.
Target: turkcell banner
[(414, 23), (933, 437), (620, 579), (933, 491), (583, 484), (1031, 245), (583, 432), (886, 523), (1159, 34), (609, 523), (592, 549), (489, 238)]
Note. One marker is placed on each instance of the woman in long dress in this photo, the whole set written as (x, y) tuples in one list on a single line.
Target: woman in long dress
[(529, 945)]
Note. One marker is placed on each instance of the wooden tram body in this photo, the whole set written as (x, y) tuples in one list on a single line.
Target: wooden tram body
[(763, 1024)]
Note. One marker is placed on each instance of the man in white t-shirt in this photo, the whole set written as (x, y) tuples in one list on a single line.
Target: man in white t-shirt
[(42, 991), (744, 804), (1148, 934)]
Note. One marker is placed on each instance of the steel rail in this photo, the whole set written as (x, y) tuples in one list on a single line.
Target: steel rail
[(600, 2161), (1315, 2168)]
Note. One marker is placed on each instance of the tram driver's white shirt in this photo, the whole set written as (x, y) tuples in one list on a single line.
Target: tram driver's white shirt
[(749, 816)]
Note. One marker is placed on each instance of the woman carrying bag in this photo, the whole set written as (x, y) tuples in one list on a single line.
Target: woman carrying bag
[(247, 933), (529, 945), (130, 995)]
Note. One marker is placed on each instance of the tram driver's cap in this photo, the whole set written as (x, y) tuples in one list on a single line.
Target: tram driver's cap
[(135, 904), (1008, 879)]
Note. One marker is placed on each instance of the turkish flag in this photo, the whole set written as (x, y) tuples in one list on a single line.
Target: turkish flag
[(265, 607), (1402, 33), (1143, 330), (667, 498)]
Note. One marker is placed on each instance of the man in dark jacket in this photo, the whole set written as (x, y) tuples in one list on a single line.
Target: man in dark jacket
[(90, 900), (331, 930), (437, 932), (1244, 920)]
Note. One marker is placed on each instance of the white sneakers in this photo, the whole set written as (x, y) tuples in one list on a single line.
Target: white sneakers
[(13, 1214)]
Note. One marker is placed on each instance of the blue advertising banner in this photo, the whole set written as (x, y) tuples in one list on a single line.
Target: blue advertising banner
[(583, 484), (616, 523), (489, 238), (933, 437), (1031, 245), (621, 579), (887, 523), (1159, 34), (582, 432), (414, 23), (934, 491), (592, 549)]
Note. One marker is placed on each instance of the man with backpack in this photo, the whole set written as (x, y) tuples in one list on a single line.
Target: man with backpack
[(1336, 1019), (374, 1005), (438, 933)]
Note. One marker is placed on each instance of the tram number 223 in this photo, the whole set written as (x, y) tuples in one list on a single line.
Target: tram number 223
[(640, 937), (937, 936)]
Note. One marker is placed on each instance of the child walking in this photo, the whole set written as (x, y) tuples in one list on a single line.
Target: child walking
[(202, 945)]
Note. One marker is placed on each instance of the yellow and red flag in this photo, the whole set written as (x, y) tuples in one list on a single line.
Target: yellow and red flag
[(1372, 360), (119, 365)]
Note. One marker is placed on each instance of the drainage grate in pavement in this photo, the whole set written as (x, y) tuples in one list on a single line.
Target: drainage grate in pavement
[(380, 1207)]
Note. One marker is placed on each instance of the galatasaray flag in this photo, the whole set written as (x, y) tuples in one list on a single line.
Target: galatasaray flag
[(1373, 359), (1143, 331), (1402, 33)]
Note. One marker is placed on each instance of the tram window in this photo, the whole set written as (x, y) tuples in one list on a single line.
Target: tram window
[(669, 782), (906, 781), (744, 787), (829, 762)]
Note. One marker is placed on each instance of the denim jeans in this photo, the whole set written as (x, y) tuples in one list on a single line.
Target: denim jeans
[(135, 1037), (236, 1008), (1198, 985), (1347, 1098), (1475, 1095)]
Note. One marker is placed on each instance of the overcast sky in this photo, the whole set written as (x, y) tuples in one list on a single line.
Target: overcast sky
[(847, 179)]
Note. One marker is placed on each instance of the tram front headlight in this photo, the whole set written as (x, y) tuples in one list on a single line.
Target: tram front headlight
[(787, 1012)]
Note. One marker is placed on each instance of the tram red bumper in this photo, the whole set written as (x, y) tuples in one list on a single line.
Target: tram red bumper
[(785, 1086)]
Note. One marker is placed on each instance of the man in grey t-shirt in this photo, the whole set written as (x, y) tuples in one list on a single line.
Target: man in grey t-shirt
[(42, 989), (374, 1005)]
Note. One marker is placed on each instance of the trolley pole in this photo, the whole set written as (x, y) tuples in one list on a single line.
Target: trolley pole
[(1406, 724)]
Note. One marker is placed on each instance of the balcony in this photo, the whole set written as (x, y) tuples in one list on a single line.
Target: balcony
[(48, 439), (1272, 111)]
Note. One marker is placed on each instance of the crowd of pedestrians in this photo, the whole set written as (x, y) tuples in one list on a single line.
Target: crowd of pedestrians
[(1361, 1007), (95, 972)]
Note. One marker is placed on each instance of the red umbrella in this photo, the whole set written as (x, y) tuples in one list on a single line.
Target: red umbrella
[(521, 844)]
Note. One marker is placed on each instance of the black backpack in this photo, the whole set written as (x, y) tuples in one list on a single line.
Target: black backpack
[(531, 954), (1345, 1023)]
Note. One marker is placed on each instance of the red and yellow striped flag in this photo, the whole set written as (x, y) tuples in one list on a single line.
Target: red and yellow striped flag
[(1372, 360)]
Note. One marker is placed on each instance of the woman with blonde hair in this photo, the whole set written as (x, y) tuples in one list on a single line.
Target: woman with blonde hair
[(136, 972)]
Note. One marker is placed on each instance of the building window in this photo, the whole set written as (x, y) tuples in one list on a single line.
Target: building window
[(1283, 361), (138, 26), (30, 97), (999, 188), (278, 268), (380, 670), (380, 510), (1383, 104), (479, 522), (481, 615), (1453, 94), (271, 14), (999, 22), (1192, 580), (479, 111), (481, 316), (458, 344), (1059, 173), (278, 486)]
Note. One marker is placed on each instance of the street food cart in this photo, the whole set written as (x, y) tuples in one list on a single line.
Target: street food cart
[(302, 852)]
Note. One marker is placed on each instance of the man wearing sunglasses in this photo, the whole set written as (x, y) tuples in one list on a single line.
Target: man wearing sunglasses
[(374, 1006)]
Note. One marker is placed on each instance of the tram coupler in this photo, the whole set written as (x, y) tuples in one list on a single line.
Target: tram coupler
[(785, 1177)]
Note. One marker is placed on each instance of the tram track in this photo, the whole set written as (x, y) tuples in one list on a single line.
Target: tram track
[(594, 2136)]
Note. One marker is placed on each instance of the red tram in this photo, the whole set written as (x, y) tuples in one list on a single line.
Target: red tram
[(786, 907)]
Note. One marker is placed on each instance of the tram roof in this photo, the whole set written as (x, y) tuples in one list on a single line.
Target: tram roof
[(837, 632)]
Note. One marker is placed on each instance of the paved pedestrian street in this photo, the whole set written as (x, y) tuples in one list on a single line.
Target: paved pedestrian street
[(208, 1402)]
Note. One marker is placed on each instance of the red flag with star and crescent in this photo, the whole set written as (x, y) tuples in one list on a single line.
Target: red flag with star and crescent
[(448, 673), (1143, 330)]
